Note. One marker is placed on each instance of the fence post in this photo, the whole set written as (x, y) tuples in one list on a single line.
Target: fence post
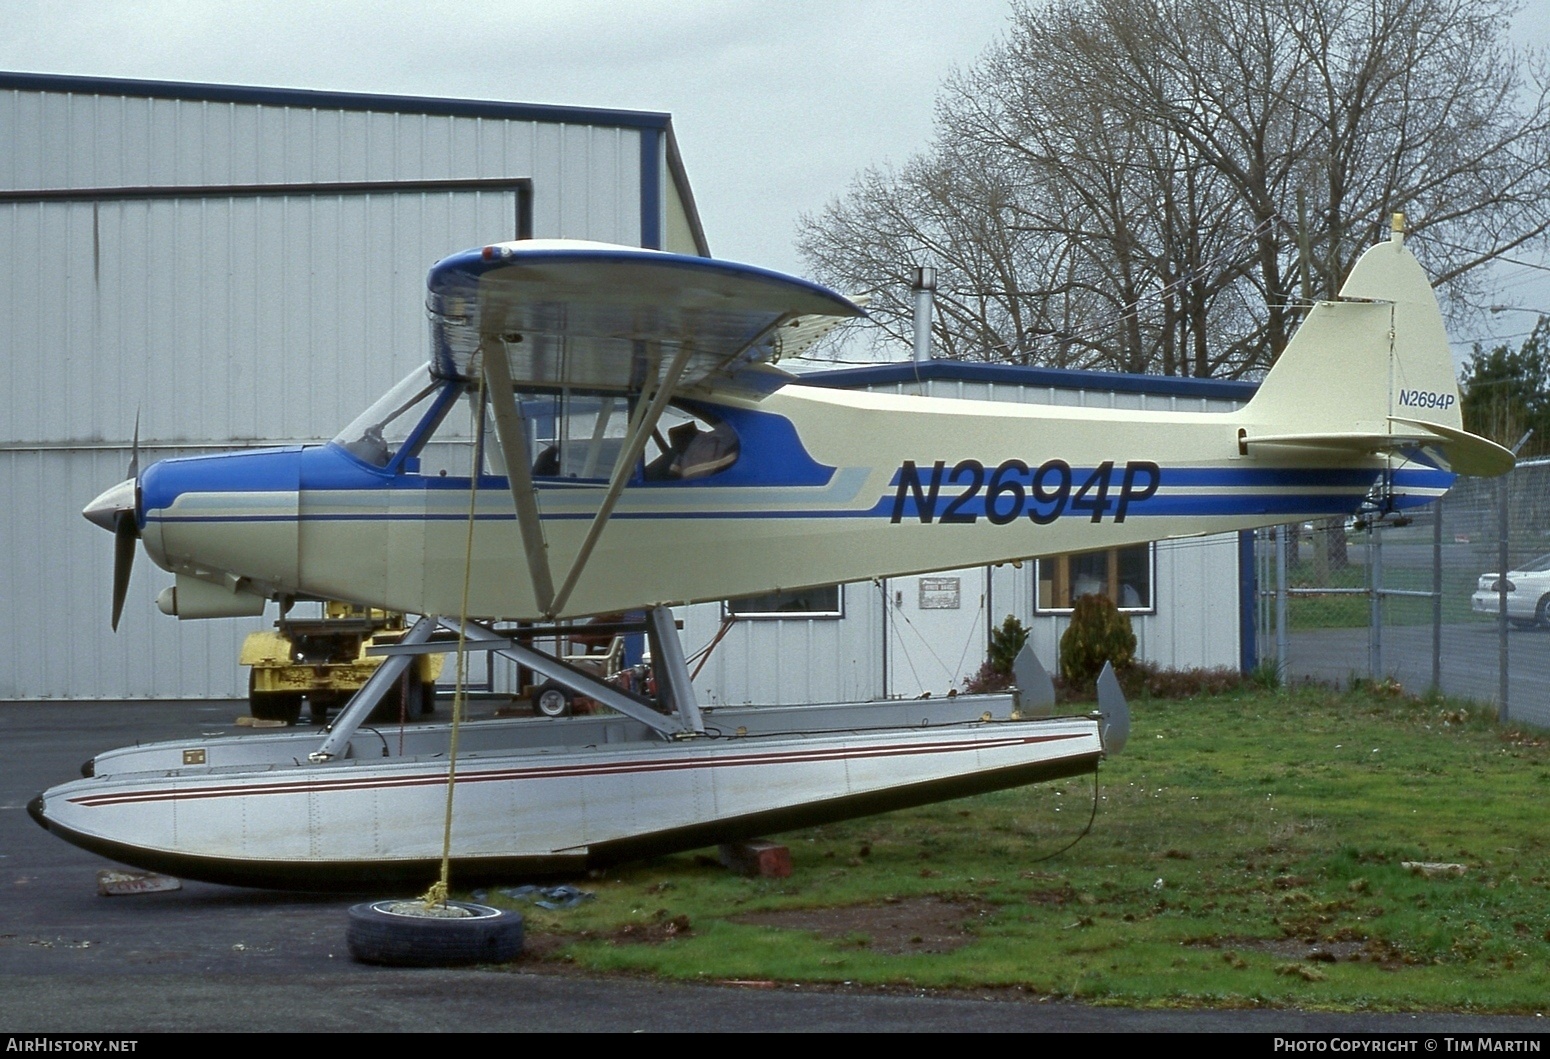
[(1502, 711), (1282, 636), (1437, 597), (1375, 595)]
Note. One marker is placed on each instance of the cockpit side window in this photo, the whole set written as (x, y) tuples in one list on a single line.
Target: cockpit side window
[(694, 447), (580, 436), (575, 435)]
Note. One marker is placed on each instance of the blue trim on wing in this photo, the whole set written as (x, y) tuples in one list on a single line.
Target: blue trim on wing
[(591, 297)]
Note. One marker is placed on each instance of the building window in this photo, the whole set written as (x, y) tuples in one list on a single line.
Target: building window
[(823, 602), (1122, 574)]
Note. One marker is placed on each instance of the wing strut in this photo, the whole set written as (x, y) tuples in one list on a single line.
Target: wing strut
[(636, 438), (512, 431)]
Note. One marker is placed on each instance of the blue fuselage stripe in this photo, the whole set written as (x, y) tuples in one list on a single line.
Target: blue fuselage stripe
[(1171, 506)]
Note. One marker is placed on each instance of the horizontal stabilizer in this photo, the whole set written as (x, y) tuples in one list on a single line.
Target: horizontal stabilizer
[(1372, 376), (1464, 453)]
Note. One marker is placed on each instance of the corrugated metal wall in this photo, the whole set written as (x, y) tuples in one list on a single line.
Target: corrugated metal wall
[(791, 660), (222, 313)]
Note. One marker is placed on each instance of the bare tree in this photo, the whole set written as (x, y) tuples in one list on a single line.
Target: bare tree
[(1116, 183)]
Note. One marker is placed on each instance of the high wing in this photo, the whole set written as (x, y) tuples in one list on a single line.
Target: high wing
[(593, 316), (561, 314)]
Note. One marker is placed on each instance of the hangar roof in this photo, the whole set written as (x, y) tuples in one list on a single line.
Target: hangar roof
[(311, 99)]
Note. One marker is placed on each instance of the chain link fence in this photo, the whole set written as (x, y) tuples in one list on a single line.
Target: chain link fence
[(1419, 601)]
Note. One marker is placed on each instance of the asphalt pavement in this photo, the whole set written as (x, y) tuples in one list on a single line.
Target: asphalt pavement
[(212, 958)]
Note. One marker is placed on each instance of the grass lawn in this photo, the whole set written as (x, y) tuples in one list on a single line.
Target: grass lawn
[(1248, 849)]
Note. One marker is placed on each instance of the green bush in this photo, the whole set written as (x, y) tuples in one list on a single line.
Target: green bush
[(1098, 633), (996, 673), (1005, 642)]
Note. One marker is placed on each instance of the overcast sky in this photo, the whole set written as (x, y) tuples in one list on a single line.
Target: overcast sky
[(777, 104)]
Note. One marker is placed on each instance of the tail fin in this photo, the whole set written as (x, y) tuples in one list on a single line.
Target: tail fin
[(1372, 373)]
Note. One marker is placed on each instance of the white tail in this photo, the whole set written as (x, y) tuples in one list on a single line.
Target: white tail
[(1372, 372)]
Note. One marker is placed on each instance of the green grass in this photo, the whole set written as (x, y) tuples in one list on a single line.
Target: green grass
[(1233, 835)]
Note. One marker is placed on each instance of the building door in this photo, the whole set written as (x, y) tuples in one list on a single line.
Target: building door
[(935, 631)]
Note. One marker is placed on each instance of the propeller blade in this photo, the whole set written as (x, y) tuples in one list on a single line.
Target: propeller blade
[(125, 534), (134, 451)]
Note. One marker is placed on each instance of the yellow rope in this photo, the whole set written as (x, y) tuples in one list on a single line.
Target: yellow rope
[(437, 894)]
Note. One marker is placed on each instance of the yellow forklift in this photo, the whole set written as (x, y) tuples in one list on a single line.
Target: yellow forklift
[(323, 660)]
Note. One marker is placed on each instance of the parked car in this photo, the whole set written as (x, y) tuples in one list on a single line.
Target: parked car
[(1528, 594)]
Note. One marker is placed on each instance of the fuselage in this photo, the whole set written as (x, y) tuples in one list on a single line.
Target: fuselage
[(826, 486)]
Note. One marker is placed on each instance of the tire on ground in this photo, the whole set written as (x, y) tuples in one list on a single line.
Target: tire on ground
[(273, 705), (377, 934)]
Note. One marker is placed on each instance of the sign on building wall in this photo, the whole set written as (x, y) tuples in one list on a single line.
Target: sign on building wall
[(939, 593)]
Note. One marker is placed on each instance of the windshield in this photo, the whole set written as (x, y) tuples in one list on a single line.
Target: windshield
[(376, 435)]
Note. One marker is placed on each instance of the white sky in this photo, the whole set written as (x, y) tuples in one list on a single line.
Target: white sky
[(777, 104)]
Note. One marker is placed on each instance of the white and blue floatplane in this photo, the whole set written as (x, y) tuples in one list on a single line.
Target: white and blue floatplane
[(627, 444)]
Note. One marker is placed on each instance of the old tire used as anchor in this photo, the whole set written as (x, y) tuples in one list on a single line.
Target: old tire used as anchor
[(405, 933)]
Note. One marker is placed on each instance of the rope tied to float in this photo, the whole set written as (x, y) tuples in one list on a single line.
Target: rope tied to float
[(440, 890)]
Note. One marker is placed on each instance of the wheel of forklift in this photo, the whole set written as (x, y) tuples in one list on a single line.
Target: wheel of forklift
[(273, 705), (408, 701), (391, 709), (320, 705)]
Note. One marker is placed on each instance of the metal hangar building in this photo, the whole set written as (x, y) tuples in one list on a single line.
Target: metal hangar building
[(233, 267)]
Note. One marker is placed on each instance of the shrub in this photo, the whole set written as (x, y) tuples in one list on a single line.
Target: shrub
[(1005, 642), (986, 680), (996, 673), (1147, 679), (1098, 633)]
